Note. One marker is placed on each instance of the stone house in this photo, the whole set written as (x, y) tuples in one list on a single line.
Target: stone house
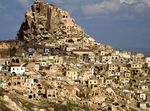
[(85, 55), (137, 58), (37, 66), (26, 85), (73, 74), (124, 60), (106, 59), (16, 67), (72, 59), (62, 78), (56, 59), (17, 70), (55, 69), (30, 53), (37, 91), (135, 72), (148, 61), (4, 61), (124, 80), (85, 76), (70, 48), (144, 88), (145, 71), (127, 74), (43, 63), (145, 106), (100, 80), (21, 82), (125, 54), (1, 67), (115, 58), (136, 66), (114, 73), (113, 67), (51, 93), (46, 51), (86, 103), (4, 53), (103, 53), (143, 96), (71, 91), (32, 66), (123, 69), (3, 84), (93, 82), (108, 81), (140, 55), (31, 94), (15, 81), (40, 90)]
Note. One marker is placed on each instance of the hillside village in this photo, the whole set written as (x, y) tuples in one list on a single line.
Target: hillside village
[(55, 63)]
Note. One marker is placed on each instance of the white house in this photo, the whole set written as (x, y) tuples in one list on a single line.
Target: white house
[(2, 62), (17, 69), (43, 63), (115, 73), (72, 74), (3, 85), (148, 61), (93, 81), (37, 66), (143, 96), (1, 68)]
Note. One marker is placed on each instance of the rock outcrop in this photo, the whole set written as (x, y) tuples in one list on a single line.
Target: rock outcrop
[(45, 21)]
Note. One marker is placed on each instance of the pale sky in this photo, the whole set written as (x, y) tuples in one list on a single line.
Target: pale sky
[(124, 24)]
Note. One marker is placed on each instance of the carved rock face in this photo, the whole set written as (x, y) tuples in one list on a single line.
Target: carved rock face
[(45, 20), (45, 23)]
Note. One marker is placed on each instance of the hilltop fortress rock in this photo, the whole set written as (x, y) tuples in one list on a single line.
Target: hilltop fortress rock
[(45, 21)]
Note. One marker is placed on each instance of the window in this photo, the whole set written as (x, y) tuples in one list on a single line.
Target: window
[(17, 60), (30, 96)]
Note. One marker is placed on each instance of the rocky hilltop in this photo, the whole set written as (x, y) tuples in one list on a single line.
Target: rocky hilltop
[(45, 21)]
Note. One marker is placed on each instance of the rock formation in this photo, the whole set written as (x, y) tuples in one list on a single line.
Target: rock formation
[(45, 21)]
